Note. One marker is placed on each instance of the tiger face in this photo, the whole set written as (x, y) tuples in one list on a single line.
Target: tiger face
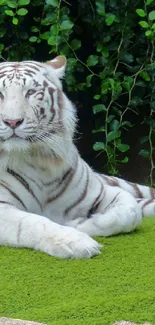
[(33, 108)]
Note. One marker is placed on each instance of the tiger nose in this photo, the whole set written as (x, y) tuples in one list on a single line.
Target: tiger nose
[(13, 123)]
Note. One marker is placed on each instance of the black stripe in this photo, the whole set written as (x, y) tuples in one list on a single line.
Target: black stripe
[(34, 181), (96, 203), (147, 202), (35, 63), (112, 201), (6, 71), (68, 177), (152, 192), (24, 183), (5, 202), (32, 66), (28, 74), (110, 180), (29, 71), (57, 180), (82, 196), (14, 195), (137, 189)]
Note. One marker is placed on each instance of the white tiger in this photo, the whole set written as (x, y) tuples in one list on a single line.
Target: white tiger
[(50, 199)]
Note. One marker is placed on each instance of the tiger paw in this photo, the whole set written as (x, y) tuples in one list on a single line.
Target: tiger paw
[(68, 242)]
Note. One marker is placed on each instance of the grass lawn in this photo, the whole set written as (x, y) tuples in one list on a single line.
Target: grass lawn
[(118, 284)]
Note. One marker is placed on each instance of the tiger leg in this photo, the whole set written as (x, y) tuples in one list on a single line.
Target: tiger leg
[(118, 213), (147, 206), (22, 229)]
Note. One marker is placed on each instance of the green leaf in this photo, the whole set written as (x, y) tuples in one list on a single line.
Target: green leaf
[(145, 75), (153, 26), (148, 2), (46, 21), (123, 147), (53, 3), (22, 12), (151, 67), (24, 2), (145, 153), (135, 101), (88, 80), (99, 108), (101, 129), (67, 24), (114, 125), (124, 161), (15, 21), (105, 52), (127, 86), (100, 7), (98, 146), (99, 47), (127, 57), (44, 35), (127, 123), (148, 32), (11, 4), (81, 86), (110, 18), (97, 97), (110, 118), (140, 83), (152, 15), (34, 29), (143, 24), (52, 40), (2, 32), (141, 12), (75, 44), (128, 82), (92, 60), (71, 63), (33, 39), (9, 13), (1, 47), (113, 3), (54, 30), (144, 139), (113, 135)]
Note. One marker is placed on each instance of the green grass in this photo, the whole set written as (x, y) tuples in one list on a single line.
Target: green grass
[(119, 284)]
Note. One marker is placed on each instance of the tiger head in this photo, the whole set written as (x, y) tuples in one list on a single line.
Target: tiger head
[(35, 114)]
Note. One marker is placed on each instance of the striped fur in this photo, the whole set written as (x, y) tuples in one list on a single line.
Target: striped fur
[(50, 199)]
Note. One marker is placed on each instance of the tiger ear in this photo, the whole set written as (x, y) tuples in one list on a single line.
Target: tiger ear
[(59, 64)]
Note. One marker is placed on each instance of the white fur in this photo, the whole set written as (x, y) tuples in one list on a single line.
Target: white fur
[(44, 217)]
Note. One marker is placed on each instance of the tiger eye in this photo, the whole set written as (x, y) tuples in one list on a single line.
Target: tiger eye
[(30, 92)]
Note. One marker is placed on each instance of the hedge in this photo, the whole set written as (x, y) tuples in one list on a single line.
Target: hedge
[(110, 46)]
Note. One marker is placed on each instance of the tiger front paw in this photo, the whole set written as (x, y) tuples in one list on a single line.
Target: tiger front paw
[(68, 242)]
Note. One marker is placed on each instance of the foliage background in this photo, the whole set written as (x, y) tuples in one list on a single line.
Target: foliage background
[(110, 49)]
